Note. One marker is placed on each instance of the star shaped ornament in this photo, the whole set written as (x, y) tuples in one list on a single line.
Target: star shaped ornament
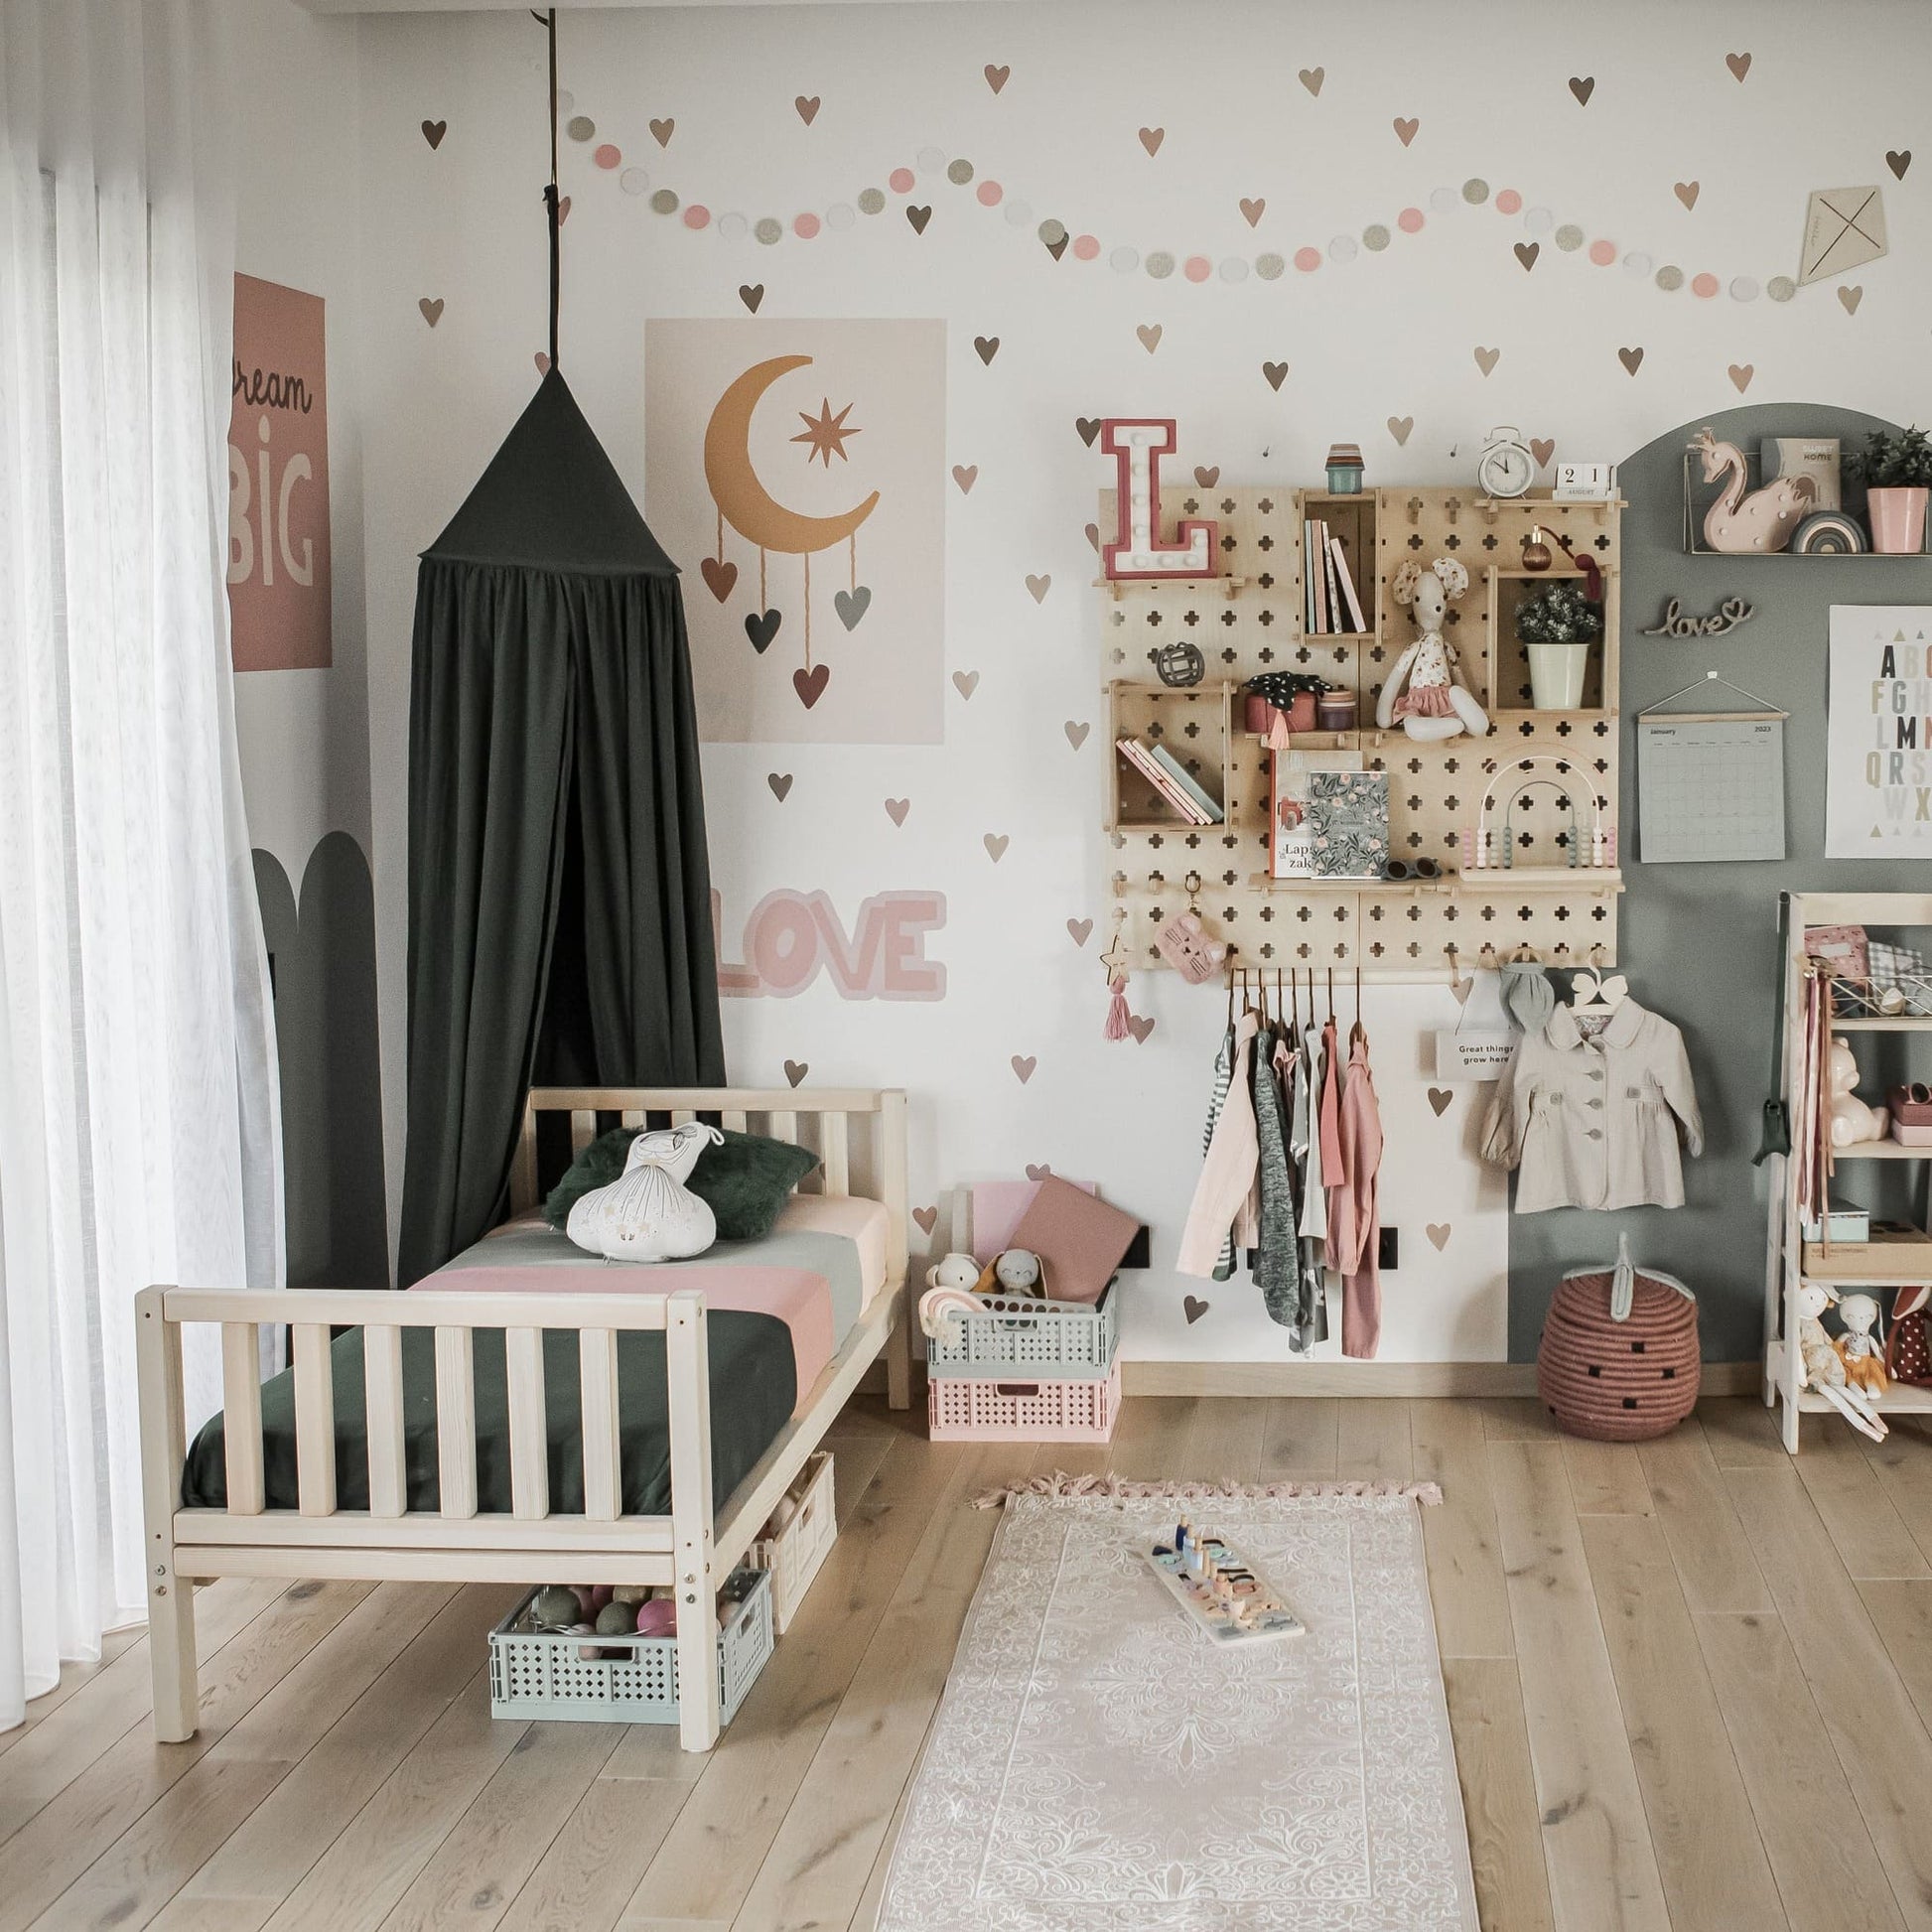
[(826, 433)]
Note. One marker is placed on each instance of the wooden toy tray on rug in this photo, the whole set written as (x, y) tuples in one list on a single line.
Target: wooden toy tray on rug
[(1197, 1597)]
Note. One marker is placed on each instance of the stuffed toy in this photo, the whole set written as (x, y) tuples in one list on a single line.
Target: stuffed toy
[(1852, 1121), (1822, 1367), (1017, 1272), (953, 1271), (1424, 690), (1858, 1348), (647, 1214)]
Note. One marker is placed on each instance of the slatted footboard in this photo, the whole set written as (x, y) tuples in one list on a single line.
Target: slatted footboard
[(455, 1541)]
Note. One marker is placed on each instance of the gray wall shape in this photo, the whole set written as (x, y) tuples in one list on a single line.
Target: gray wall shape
[(1699, 942), (322, 954)]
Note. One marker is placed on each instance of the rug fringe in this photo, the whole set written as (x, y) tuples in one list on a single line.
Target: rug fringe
[(1059, 1483)]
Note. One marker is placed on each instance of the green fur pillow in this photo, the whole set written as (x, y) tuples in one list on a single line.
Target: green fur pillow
[(745, 1183)]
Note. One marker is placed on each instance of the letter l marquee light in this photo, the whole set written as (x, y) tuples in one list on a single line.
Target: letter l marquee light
[(1137, 447)]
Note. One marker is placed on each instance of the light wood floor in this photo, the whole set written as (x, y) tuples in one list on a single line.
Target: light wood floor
[(1690, 1685)]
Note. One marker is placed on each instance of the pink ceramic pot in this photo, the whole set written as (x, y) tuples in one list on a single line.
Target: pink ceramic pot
[(1898, 520)]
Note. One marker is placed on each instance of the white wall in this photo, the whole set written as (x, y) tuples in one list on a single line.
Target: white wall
[(1386, 335)]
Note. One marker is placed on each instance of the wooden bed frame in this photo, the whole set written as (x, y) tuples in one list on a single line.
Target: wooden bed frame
[(530, 1545)]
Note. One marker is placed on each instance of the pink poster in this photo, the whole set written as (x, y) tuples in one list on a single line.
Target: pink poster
[(278, 481)]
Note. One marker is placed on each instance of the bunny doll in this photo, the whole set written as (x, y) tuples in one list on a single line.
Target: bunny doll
[(1821, 1367), (1859, 1348), (1424, 690)]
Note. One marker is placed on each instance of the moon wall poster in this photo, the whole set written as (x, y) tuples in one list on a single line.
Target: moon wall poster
[(801, 467), (1878, 746)]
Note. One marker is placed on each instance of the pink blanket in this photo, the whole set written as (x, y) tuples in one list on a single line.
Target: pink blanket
[(796, 1296)]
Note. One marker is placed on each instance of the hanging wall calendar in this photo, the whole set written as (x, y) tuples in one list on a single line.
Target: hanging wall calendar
[(1709, 783)]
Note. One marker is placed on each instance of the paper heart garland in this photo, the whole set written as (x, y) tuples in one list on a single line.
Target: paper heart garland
[(719, 577), (811, 685)]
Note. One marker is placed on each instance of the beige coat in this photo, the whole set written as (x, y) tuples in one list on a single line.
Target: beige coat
[(1594, 1123)]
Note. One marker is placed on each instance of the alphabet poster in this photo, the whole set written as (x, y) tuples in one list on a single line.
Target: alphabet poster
[(1878, 773), (796, 474), (278, 481)]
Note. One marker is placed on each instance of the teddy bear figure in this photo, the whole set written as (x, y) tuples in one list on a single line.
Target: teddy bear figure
[(1852, 1121), (1426, 690)]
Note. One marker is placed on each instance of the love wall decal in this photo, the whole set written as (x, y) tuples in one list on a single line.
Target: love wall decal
[(792, 936)]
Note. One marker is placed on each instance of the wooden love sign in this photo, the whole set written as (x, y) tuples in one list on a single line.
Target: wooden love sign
[(1729, 614)]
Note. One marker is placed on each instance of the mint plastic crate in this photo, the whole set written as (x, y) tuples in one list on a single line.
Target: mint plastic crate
[(540, 1674), (1068, 1340)]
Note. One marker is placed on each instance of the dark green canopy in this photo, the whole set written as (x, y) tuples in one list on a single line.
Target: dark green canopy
[(559, 888)]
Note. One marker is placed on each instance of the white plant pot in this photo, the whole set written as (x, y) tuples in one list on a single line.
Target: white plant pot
[(1557, 675)]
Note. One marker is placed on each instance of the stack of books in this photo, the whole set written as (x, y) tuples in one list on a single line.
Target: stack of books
[(1331, 606), (1172, 784)]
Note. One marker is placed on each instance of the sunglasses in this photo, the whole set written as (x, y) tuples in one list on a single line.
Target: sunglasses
[(1398, 870)]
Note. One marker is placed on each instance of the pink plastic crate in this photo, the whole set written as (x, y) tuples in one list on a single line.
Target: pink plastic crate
[(968, 1409)]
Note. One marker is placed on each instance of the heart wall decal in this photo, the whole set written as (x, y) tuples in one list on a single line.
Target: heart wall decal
[(1312, 77), (988, 347), (966, 682), (1039, 586), (1207, 476), (1090, 428), (661, 132), (965, 475), (1079, 930), (1848, 298), (1405, 131), (751, 294), (542, 359), (1150, 335), (1899, 160), (1439, 1100), (919, 216), (996, 844), (807, 106), (1076, 733), (718, 577), (811, 685), (434, 131), (1152, 137), (851, 605), (1582, 88), (1439, 1234), (762, 627), (1687, 192), (927, 1218), (1631, 358), (897, 808), (1252, 211), (996, 77), (1543, 448), (780, 784), (1741, 377), (795, 1070), (1400, 426), (1194, 1308), (1739, 63), (1139, 1028), (1488, 358), (1038, 1170), (432, 307), (1022, 1066), (1527, 253), (1277, 374)]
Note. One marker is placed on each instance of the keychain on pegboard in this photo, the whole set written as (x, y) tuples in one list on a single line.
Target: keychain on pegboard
[(1185, 944)]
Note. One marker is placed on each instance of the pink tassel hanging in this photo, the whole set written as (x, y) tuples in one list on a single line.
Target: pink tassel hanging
[(1116, 1016), (1280, 738)]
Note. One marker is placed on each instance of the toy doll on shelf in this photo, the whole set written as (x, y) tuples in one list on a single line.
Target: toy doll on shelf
[(1424, 690)]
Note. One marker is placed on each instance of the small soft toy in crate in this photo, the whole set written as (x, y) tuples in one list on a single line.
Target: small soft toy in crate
[(1017, 1273)]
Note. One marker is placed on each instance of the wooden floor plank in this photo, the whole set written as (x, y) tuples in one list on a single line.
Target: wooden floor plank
[(1713, 1555), (1492, 1763), (1827, 1881), (82, 1822), (293, 1828), (1903, 1464), (596, 1861), (113, 1702), (712, 1854), (1299, 1439), (1372, 1442), (1466, 1560), (1708, 1852), (1901, 1612), (1150, 1438), (1873, 1726), (822, 1857), (1595, 1838), (1605, 1478), (131, 1883), (1743, 1433), (1857, 1508), (497, 1845), (1516, 1419), (1224, 1441)]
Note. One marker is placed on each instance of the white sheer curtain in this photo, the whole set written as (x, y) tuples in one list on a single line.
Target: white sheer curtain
[(138, 1107)]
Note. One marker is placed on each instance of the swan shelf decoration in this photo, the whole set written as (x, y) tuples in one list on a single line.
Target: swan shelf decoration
[(1754, 524)]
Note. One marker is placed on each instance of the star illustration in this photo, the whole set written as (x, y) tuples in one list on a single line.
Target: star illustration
[(826, 433)]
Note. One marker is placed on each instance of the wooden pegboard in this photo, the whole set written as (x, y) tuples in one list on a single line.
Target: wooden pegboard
[(1250, 620)]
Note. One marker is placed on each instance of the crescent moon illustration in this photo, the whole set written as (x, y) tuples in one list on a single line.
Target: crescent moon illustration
[(746, 506)]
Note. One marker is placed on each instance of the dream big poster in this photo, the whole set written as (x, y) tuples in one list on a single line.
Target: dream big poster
[(1878, 775), (795, 473), (278, 480)]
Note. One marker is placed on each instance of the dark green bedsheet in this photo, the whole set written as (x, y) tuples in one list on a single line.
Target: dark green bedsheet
[(753, 1387)]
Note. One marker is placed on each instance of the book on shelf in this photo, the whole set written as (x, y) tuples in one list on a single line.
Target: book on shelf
[(1317, 575), (1291, 837), (1197, 793), (1338, 617), (1171, 794), (1340, 558)]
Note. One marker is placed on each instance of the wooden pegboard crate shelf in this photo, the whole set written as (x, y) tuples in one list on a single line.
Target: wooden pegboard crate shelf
[(1250, 620)]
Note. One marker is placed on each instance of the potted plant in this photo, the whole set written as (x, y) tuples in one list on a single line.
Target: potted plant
[(1896, 470), (1556, 626)]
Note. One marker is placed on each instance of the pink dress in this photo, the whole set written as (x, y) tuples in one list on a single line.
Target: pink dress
[(1356, 1258)]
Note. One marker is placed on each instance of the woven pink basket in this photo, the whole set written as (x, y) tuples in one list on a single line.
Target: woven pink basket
[(1619, 1381)]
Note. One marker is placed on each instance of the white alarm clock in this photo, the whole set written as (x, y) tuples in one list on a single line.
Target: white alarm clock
[(1507, 468)]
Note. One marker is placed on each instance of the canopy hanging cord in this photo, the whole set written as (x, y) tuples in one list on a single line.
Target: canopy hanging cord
[(550, 23)]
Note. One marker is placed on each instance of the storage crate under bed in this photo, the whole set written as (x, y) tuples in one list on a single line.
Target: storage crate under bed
[(978, 1409), (542, 1674), (1064, 1339), (794, 1546)]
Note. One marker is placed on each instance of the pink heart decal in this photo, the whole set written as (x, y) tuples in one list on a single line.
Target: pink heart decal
[(1139, 1028), (927, 1218), (1405, 131), (897, 808), (965, 475), (1079, 930), (996, 77), (1152, 137), (1253, 209), (1022, 1066), (807, 106)]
